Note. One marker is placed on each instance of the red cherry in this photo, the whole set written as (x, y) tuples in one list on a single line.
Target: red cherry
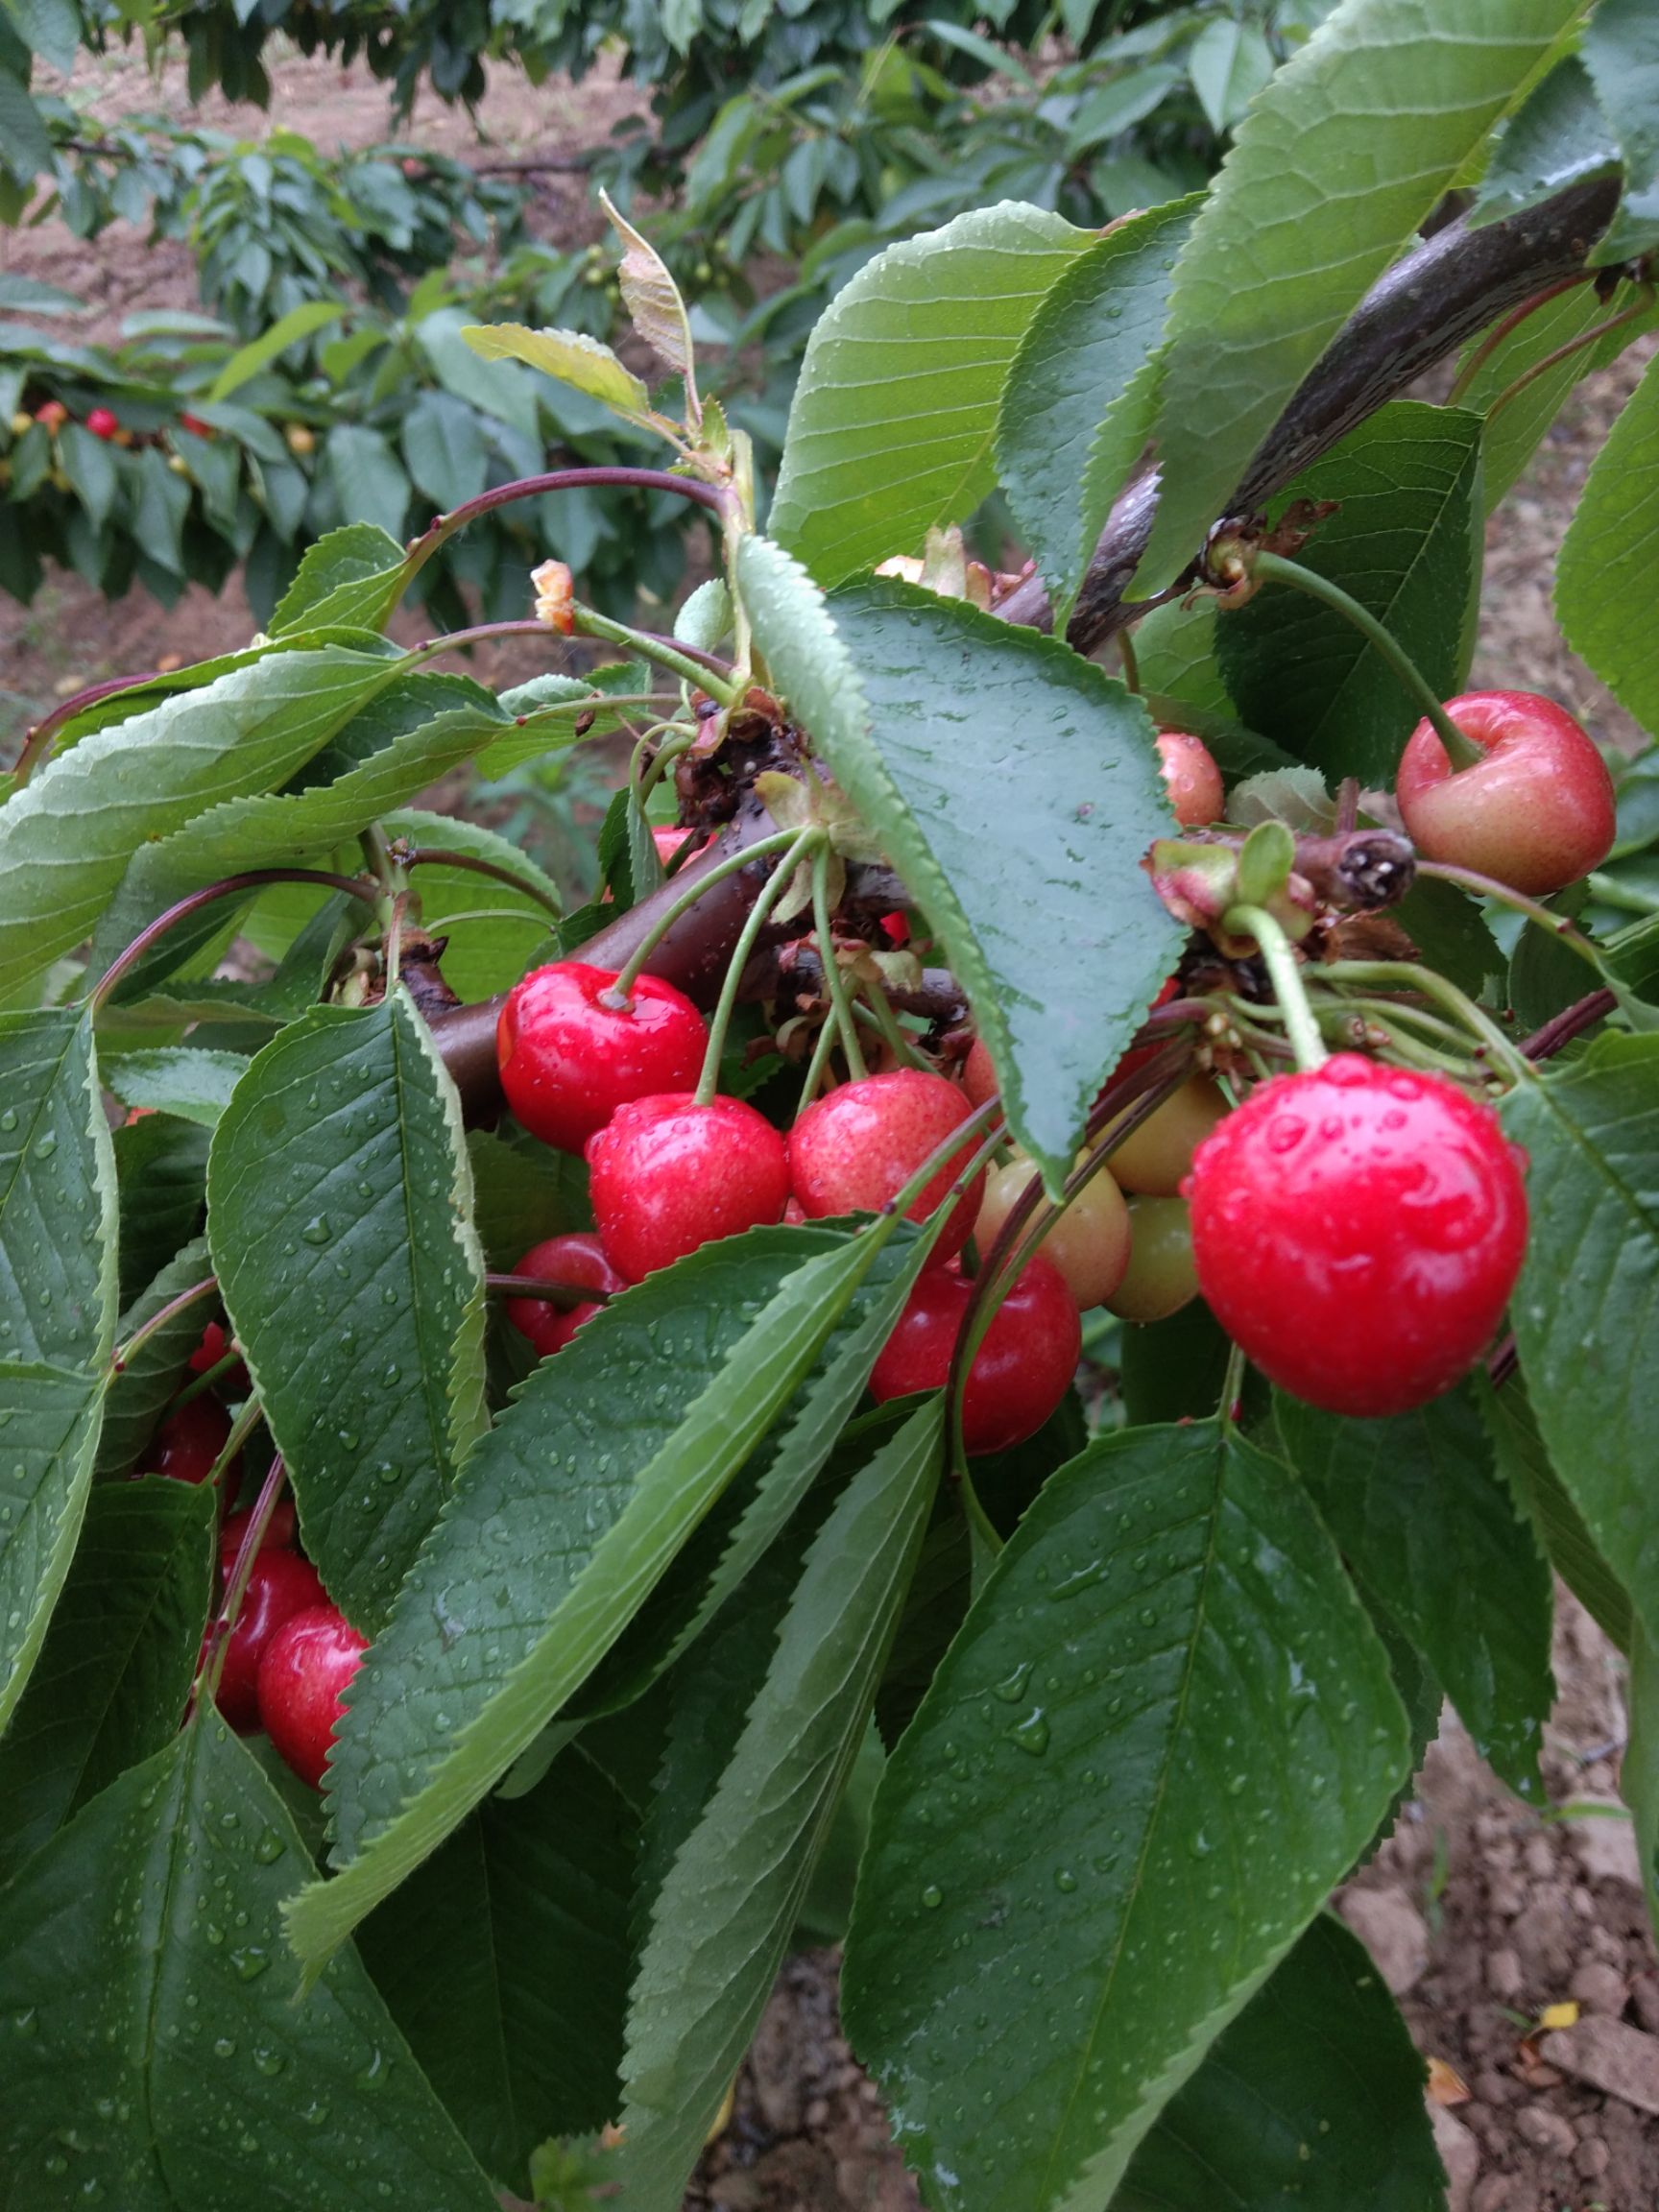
[(852, 1152), (578, 1259), (1536, 812), (1192, 779), (1024, 1363), (978, 1076), (52, 414), (1357, 1231), (569, 1060), (668, 842), (195, 425), (102, 421), (279, 1585), (215, 1343), (896, 928), (279, 1533), (667, 1174), (307, 1663), (189, 1441)]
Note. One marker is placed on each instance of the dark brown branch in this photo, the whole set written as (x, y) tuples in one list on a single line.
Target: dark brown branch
[(1420, 311), (1572, 1021)]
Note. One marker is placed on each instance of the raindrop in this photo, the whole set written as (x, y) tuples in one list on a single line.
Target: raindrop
[(224, 2047), (249, 1962), (1012, 1688), (317, 1230), (269, 1849), (1031, 1734), (932, 1897), (46, 1145), (8, 1120), (1065, 1880)]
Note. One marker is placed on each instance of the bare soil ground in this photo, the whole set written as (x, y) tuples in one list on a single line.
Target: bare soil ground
[(1482, 1913)]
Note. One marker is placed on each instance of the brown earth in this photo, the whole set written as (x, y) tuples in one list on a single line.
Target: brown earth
[(1481, 1912)]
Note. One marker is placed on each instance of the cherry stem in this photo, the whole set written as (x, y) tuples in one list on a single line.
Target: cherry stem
[(565, 1295), (39, 739), (1232, 1385), (1489, 887), (1286, 974), (1591, 337), (802, 843), (1462, 751), (1405, 977), (158, 1321), (822, 1045), (253, 879), (199, 1384), (734, 863), (431, 855), (591, 623), (834, 982), (212, 1667), (421, 549), (1569, 1022), (1131, 663), (873, 1004), (1502, 329)]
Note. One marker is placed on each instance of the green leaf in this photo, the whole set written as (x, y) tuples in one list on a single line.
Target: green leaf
[(116, 1666), (445, 450), (505, 1960), (57, 1195), (522, 1193), (66, 838), (1018, 817), (1638, 1768), (1338, 164), (484, 956), (1432, 1535), (1227, 63), (1603, 578), (339, 1212), (1403, 543), (1587, 1306), (1557, 136), (893, 422), (1451, 933), (167, 2068), (369, 478), (721, 1919), (1061, 457), (90, 467), (138, 1393), (569, 356), (28, 296), (652, 298), (1166, 1729), (1622, 53), (51, 28), (161, 1172), (51, 1438), (301, 321), (352, 578), (1313, 2097), (183, 1079), (562, 1520), (1559, 1526)]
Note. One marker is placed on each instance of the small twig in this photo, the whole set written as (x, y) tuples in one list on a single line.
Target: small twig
[(1572, 1021)]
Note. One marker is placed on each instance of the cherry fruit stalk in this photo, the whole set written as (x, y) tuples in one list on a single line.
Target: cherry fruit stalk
[(1357, 1231)]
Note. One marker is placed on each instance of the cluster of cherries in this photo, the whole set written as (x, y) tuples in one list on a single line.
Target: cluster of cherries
[(290, 1651)]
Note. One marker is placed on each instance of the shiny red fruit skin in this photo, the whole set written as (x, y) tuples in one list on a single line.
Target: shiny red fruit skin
[(978, 1074), (856, 1148), (102, 421), (1190, 777), (215, 1343), (666, 1175), (1359, 1230), (306, 1665), (1024, 1366), (567, 1062), (578, 1259), (189, 1441), (1536, 813), (280, 1585)]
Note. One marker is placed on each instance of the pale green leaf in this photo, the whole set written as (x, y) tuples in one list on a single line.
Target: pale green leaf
[(183, 1079), (57, 1195), (350, 578), (1605, 576), (571, 356), (1340, 159), (302, 321), (1556, 1522), (46, 1451), (894, 419)]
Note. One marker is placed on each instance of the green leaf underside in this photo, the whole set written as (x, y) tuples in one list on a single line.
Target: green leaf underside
[(1095, 333), (1557, 1523), (505, 1960), (1337, 163), (1166, 1729), (1313, 2097), (1620, 52), (176, 1079), (350, 578), (57, 1195), (1402, 543), (1587, 1306), (895, 416), (162, 2055), (137, 1397), (1431, 1534), (562, 1520), (1016, 811), (66, 838), (47, 1446), (1604, 577), (339, 1202), (721, 1919), (114, 1671), (1557, 136)]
